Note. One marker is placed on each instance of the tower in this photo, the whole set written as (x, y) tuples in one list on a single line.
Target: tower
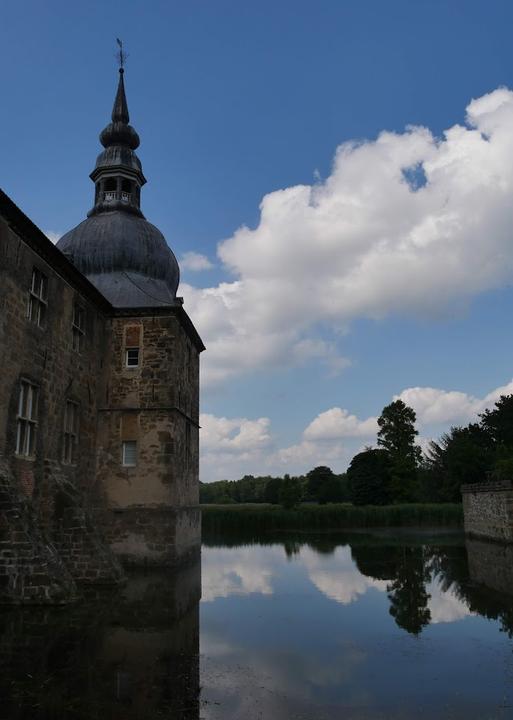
[(148, 411)]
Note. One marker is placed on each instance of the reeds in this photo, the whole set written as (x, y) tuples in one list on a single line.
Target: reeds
[(268, 518)]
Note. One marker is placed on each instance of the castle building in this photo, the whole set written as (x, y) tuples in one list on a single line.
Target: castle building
[(99, 400)]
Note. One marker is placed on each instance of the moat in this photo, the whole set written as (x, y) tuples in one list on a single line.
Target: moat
[(366, 626)]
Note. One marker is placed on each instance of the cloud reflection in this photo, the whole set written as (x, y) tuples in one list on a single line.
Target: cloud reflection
[(239, 571), (444, 606), (337, 577)]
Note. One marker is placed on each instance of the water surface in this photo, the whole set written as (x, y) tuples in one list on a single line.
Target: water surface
[(357, 627), (366, 626)]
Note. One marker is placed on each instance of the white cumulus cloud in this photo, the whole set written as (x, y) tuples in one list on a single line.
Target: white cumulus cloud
[(196, 262), (434, 406), (236, 435), (368, 241), (337, 423)]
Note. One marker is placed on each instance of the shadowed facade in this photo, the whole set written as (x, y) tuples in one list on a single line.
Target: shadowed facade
[(100, 393)]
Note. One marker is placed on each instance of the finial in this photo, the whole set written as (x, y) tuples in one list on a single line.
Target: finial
[(121, 56)]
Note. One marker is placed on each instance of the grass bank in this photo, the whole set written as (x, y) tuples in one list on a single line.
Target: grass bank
[(331, 517)]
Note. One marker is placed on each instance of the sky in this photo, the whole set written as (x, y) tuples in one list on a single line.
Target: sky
[(335, 179)]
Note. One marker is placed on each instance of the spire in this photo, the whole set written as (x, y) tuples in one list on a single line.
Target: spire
[(118, 175), (120, 109), (119, 132)]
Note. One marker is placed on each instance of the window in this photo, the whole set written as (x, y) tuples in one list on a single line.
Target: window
[(37, 301), (132, 357), (110, 189), (126, 189), (78, 327), (26, 423), (70, 432), (129, 453)]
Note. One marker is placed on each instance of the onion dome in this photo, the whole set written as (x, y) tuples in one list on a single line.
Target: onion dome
[(116, 248)]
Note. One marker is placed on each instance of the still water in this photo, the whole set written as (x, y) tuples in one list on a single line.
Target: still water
[(364, 626)]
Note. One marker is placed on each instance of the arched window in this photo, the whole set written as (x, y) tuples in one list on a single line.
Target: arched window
[(110, 184)]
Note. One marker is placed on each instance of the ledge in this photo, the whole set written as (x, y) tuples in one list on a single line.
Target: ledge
[(499, 486)]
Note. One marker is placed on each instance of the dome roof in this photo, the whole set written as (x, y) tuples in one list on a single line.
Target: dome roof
[(125, 257)]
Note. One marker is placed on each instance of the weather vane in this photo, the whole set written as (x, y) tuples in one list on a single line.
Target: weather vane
[(121, 54)]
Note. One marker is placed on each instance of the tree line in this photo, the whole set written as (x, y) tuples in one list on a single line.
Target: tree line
[(320, 485), (396, 470)]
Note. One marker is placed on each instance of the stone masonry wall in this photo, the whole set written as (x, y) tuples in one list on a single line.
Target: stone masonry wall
[(154, 506), (31, 570), (488, 510), (44, 356)]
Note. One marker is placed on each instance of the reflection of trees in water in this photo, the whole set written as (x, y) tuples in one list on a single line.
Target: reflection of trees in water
[(407, 571), (407, 565), (407, 591), (130, 654), (410, 568)]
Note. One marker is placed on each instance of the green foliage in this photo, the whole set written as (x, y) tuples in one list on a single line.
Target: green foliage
[(462, 455), (396, 436), (247, 489), (503, 469), (498, 422), (323, 486), (269, 518), (397, 431), (266, 489), (290, 493), (477, 453), (272, 490), (369, 478)]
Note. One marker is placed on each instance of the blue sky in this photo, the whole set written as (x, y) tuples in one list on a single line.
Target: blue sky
[(345, 293)]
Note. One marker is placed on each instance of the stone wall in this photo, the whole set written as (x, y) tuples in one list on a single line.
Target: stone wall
[(488, 510), (49, 525), (153, 506)]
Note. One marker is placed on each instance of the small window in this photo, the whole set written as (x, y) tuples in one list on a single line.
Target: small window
[(110, 184), (132, 357), (37, 300), (26, 423), (129, 453), (78, 327), (70, 432)]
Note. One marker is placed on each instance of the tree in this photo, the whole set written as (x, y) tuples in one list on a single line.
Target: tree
[(272, 490), (462, 455), (499, 422), (369, 478), (290, 492), (396, 436), (321, 484)]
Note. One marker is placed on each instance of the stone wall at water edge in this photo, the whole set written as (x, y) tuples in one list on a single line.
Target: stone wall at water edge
[(488, 510)]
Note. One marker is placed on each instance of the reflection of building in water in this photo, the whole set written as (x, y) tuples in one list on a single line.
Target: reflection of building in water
[(491, 564), (133, 654)]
